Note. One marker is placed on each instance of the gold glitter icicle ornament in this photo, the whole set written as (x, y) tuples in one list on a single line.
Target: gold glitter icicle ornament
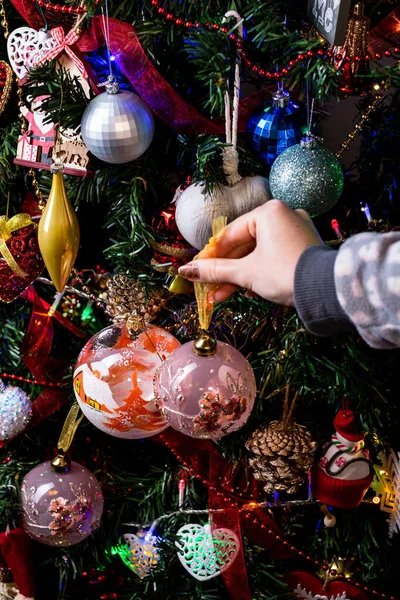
[(58, 233), (283, 452)]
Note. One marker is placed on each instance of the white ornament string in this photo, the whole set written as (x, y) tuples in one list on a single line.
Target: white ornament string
[(230, 155), (106, 25)]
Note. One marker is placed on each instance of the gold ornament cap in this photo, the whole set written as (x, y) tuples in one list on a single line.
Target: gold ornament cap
[(205, 345), (60, 463)]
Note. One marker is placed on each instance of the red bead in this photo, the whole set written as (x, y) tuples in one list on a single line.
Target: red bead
[(300, 57), (198, 25), (254, 68), (357, 59), (387, 53), (255, 521), (233, 36), (239, 44), (179, 21), (277, 75), (170, 17), (261, 72), (247, 516), (154, 2), (367, 57), (263, 526), (292, 548), (378, 56), (268, 74), (310, 53), (71, 10), (215, 26), (270, 531), (224, 29), (40, 2), (308, 557), (188, 24), (329, 53), (396, 50), (284, 71), (291, 63), (320, 52), (161, 10), (64, 9)]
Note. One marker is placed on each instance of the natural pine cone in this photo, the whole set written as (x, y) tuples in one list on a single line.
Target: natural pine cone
[(282, 456), (128, 302)]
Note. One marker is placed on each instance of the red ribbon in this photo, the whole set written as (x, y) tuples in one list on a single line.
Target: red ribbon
[(16, 550), (35, 352), (205, 460), (63, 45), (386, 34)]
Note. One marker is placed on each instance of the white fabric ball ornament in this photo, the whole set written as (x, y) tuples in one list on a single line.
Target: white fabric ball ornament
[(117, 127), (15, 411), (195, 209)]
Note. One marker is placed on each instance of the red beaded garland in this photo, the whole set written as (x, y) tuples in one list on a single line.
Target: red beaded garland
[(238, 42), (77, 10), (256, 521), (28, 380)]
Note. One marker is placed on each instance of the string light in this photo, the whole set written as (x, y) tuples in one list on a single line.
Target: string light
[(259, 523)]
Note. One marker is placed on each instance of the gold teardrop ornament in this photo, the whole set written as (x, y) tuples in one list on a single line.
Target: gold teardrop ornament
[(58, 233)]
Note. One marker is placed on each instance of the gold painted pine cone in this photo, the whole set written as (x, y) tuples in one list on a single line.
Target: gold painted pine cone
[(128, 302), (283, 456)]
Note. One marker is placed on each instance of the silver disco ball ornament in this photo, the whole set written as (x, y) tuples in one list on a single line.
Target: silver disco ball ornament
[(117, 127), (307, 176)]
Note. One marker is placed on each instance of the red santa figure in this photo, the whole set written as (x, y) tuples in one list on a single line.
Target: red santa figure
[(36, 144), (344, 473)]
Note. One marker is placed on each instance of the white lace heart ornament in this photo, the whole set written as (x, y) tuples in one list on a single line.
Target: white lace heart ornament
[(143, 554), (26, 47), (204, 553)]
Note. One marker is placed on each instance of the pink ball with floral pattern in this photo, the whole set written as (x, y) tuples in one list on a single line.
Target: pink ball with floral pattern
[(61, 509), (205, 396)]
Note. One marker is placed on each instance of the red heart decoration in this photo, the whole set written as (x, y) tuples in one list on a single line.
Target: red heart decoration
[(6, 77), (333, 588), (23, 245)]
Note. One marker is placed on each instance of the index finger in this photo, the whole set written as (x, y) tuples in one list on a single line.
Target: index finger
[(236, 234)]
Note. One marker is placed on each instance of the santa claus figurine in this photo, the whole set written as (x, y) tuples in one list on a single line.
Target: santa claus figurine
[(344, 473)]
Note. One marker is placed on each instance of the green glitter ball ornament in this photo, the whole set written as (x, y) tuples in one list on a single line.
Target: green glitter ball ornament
[(307, 176)]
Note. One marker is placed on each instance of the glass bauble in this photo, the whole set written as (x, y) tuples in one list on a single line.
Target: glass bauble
[(117, 127), (205, 396), (61, 509), (307, 176), (15, 411), (275, 126), (113, 380)]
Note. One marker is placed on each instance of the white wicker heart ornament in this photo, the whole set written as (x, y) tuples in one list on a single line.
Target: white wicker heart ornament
[(26, 47), (206, 554)]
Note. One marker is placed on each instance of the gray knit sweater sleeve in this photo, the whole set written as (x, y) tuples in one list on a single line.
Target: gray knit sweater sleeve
[(357, 287)]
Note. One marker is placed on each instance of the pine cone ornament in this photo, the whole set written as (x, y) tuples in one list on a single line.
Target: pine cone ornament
[(284, 452), (128, 302)]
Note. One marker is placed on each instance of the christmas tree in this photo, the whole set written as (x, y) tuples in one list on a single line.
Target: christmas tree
[(187, 108)]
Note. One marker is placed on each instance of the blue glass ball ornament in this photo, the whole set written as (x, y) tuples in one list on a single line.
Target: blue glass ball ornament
[(276, 126)]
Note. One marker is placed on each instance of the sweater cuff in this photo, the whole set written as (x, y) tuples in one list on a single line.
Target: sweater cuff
[(315, 293)]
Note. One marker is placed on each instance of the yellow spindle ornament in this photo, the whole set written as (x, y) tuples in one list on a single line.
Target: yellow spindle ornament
[(59, 233)]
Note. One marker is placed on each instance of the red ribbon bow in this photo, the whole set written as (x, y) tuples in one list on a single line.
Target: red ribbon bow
[(63, 44)]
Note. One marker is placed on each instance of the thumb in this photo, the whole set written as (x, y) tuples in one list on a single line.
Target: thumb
[(214, 270)]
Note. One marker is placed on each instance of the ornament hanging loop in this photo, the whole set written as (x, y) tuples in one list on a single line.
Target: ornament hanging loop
[(230, 157), (60, 463)]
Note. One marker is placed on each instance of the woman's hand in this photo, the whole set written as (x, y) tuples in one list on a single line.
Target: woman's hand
[(258, 251)]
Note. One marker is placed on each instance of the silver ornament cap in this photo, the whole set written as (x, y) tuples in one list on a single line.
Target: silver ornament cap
[(280, 99)]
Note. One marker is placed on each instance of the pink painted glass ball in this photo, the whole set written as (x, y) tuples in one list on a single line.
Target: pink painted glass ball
[(205, 397), (113, 380), (61, 509)]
